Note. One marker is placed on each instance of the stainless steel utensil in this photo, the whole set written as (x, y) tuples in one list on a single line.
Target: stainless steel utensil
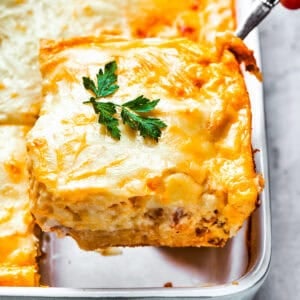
[(259, 10)]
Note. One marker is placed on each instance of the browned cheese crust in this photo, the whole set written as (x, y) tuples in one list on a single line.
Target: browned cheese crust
[(195, 187)]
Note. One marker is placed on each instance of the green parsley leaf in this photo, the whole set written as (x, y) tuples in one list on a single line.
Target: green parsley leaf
[(105, 81), (141, 104), (106, 112), (147, 126), (89, 85)]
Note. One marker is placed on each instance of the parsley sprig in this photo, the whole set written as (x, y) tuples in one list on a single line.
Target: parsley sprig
[(105, 81), (132, 113)]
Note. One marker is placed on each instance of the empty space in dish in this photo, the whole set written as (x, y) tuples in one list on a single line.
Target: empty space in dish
[(65, 265)]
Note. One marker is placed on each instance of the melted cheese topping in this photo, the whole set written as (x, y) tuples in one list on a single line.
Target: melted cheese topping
[(23, 23), (203, 161), (17, 243)]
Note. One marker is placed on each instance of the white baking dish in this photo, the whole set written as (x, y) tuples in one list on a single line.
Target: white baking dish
[(234, 272)]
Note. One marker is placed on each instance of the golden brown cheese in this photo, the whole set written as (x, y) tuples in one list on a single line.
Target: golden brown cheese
[(23, 23), (18, 245), (195, 187)]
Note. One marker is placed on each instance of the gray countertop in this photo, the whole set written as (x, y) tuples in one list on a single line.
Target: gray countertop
[(280, 45)]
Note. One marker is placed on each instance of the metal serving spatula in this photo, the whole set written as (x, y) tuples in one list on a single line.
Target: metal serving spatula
[(259, 10)]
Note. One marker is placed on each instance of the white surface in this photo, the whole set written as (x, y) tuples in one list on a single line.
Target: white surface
[(280, 43)]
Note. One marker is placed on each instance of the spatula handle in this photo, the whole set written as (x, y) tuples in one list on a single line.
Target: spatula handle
[(259, 10)]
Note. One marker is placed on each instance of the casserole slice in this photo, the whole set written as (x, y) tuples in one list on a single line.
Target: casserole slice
[(195, 186), (18, 244)]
